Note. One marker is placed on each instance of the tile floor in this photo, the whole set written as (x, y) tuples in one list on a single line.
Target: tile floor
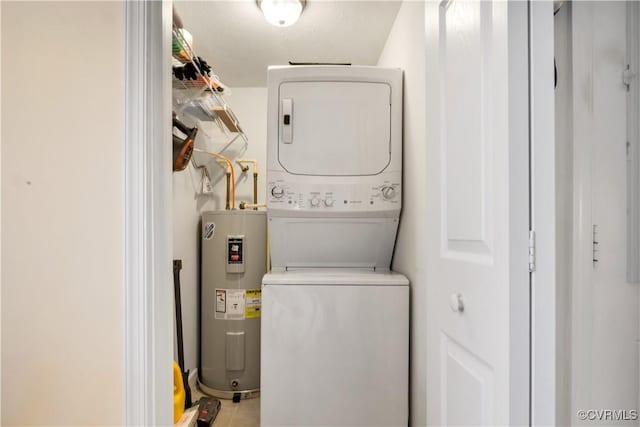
[(245, 413)]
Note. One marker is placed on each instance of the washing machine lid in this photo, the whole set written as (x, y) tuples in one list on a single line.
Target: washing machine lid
[(334, 128), (337, 277)]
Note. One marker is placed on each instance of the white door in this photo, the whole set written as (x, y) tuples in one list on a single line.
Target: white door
[(478, 213)]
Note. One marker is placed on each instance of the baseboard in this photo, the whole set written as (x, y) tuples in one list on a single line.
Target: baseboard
[(193, 378)]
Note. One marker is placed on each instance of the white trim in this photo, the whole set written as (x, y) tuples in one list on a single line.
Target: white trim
[(582, 24), (519, 208), (543, 208), (147, 216), (633, 138), (0, 218)]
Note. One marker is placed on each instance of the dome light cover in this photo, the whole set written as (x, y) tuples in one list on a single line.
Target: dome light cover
[(281, 13)]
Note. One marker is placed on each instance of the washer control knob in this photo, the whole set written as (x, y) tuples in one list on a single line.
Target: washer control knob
[(388, 193), (315, 202), (328, 202), (277, 192)]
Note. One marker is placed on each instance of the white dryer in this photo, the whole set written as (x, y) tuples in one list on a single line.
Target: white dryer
[(335, 320)]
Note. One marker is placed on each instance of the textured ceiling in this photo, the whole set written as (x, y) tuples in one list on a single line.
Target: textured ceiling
[(235, 39)]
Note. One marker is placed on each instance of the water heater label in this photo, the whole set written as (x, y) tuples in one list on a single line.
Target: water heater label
[(235, 254), (238, 304), (253, 303), (235, 250), (207, 230), (221, 301), (234, 304)]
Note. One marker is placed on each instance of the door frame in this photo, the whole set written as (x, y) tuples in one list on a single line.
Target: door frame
[(147, 247), (543, 213), (582, 237), (148, 348), (633, 135)]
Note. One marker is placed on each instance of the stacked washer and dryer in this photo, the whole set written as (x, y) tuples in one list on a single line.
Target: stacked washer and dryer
[(335, 319)]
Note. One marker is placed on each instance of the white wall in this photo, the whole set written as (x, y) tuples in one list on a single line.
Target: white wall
[(405, 49), (62, 139), (250, 106), (605, 309)]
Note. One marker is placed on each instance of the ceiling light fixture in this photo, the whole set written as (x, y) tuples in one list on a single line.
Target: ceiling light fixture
[(281, 13)]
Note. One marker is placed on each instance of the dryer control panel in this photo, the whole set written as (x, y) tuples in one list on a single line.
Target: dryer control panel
[(383, 195)]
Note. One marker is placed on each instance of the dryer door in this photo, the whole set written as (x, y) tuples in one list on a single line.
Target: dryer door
[(334, 128)]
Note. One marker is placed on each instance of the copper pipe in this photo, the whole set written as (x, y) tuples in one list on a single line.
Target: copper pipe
[(227, 206), (244, 205), (244, 169), (230, 169), (255, 189)]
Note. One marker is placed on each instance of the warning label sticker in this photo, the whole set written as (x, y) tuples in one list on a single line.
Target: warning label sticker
[(253, 303), (221, 301), (235, 304), (238, 304)]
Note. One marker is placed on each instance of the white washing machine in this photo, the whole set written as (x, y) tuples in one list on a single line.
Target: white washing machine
[(335, 319)]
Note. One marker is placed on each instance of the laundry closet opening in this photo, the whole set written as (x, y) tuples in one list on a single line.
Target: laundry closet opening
[(293, 172)]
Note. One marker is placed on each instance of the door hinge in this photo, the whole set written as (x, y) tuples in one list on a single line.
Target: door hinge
[(532, 251), (628, 76)]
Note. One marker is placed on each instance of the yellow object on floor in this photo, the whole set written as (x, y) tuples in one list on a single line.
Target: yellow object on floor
[(178, 393)]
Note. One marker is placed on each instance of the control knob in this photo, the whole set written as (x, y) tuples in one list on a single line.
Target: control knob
[(328, 202), (277, 192), (388, 193), (315, 202)]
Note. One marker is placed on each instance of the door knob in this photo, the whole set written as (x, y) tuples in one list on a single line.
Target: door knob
[(456, 303)]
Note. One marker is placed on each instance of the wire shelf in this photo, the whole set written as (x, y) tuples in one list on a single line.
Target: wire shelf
[(205, 92)]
